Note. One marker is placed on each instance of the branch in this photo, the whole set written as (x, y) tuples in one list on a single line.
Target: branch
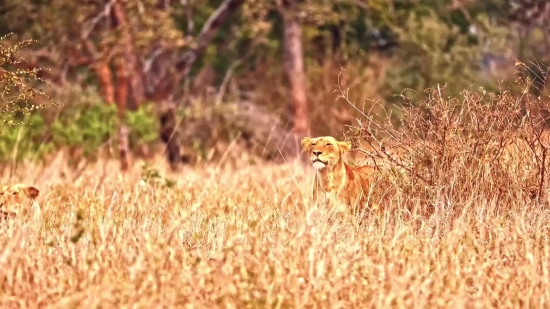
[(90, 25), (184, 63), (164, 79), (46, 63), (189, 16)]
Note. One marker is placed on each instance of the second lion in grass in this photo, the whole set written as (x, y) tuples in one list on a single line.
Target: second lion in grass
[(17, 199)]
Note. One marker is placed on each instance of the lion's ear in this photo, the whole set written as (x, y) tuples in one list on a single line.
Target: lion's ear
[(306, 142), (344, 146), (31, 191)]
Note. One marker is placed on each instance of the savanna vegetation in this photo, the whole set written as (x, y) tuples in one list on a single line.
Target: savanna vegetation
[(163, 135)]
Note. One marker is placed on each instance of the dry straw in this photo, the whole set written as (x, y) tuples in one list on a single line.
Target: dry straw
[(465, 225)]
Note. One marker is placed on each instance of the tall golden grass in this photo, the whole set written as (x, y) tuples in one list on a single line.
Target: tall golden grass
[(463, 229)]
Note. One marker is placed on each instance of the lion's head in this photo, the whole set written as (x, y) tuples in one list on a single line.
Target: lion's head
[(325, 151), (15, 198)]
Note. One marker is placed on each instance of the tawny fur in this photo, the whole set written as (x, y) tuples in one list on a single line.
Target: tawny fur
[(336, 182), (17, 199)]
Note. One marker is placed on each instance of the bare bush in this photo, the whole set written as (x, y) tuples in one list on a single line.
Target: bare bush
[(448, 150), (18, 86)]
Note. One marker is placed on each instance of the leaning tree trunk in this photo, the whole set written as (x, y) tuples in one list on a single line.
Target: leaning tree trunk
[(294, 71), (182, 66)]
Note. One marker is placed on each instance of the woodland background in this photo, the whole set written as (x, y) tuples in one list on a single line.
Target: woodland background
[(191, 78)]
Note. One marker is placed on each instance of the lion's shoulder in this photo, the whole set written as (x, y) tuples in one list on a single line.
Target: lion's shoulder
[(362, 175)]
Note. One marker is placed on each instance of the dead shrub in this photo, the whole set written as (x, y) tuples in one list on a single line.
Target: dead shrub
[(447, 150)]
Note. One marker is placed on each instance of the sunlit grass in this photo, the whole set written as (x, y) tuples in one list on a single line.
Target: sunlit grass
[(251, 238)]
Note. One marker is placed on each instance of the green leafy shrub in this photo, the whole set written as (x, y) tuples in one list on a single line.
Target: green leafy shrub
[(85, 122), (144, 127), (20, 141), (435, 52), (86, 126)]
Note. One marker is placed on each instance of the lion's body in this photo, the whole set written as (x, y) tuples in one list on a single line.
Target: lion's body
[(337, 183), (349, 187)]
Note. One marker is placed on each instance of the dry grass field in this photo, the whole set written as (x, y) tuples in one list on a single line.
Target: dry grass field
[(466, 226), (250, 238)]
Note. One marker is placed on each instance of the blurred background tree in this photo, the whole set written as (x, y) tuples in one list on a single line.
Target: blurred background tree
[(213, 74)]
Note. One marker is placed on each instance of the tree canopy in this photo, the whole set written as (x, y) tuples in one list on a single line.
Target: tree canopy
[(134, 52)]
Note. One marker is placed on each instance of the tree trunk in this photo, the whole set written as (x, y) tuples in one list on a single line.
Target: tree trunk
[(294, 71), (121, 99), (123, 147), (170, 136), (168, 83), (130, 91), (103, 73), (136, 94)]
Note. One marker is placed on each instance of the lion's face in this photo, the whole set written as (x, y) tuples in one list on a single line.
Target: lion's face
[(15, 197), (325, 150)]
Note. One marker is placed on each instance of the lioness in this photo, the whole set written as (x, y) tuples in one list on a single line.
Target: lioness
[(16, 199), (335, 181)]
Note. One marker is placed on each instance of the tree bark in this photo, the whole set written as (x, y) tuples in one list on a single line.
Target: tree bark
[(169, 136), (103, 73), (121, 100), (123, 147), (122, 85), (130, 90), (136, 89), (182, 65), (294, 71)]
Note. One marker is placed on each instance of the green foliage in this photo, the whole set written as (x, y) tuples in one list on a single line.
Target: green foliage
[(424, 42), (434, 52), (144, 127), (435, 42), (428, 41), (87, 125), (24, 140)]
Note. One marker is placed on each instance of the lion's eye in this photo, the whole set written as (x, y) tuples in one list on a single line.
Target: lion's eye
[(329, 144), (312, 144)]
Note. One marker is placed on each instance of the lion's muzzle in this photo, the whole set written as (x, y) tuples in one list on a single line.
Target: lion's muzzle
[(319, 164)]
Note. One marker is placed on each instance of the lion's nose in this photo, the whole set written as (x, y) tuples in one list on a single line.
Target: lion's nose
[(317, 152)]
